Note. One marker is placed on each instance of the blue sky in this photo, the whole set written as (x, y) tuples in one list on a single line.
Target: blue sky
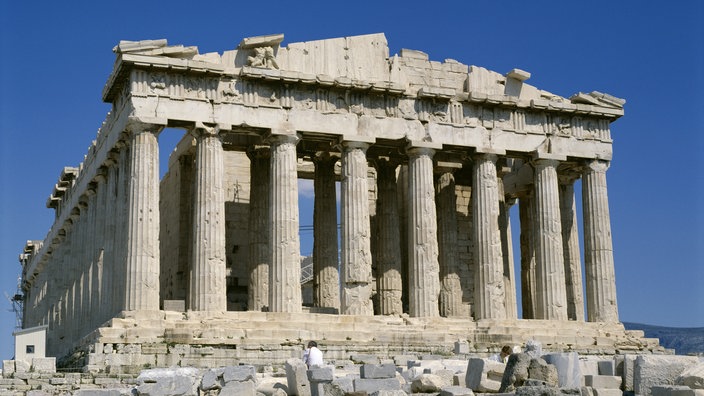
[(55, 60)]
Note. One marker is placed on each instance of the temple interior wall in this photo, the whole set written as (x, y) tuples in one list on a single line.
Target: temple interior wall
[(465, 253), (175, 234), (175, 211)]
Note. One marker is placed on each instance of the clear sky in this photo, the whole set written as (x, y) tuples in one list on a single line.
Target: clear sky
[(55, 59)]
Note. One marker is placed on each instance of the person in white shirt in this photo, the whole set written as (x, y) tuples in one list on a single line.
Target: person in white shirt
[(502, 357), (312, 355)]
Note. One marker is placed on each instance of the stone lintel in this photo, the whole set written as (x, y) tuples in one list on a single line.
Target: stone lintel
[(490, 150), (445, 166), (548, 156), (279, 133), (413, 144)]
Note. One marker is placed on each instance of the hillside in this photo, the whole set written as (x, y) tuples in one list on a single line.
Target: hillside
[(685, 341)]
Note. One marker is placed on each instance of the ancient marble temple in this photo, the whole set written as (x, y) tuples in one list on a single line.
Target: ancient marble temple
[(430, 158)]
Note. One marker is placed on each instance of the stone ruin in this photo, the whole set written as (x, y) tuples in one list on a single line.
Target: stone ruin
[(202, 268), (525, 374)]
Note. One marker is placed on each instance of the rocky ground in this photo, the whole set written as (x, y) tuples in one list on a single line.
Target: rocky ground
[(528, 373)]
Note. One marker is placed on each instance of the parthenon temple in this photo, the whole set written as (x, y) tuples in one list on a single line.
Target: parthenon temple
[(429, 157)]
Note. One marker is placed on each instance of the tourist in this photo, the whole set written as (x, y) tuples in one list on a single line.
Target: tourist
[(312, 355), (502, 357)]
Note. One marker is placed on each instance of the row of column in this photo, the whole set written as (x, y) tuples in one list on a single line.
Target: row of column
[(110, 250), (553, 261), (433, 283)]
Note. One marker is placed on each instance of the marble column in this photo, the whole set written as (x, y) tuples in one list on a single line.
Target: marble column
[(120, 235), (402, 201), (450, 282), (109, 274), (570, 243), (142, 216), (83, 264), (389, 262), (99, 314), (489, 293), (97, 215), (326, 275), (598, 248), (355, 231), (75, 278), (207, 286), (285, 269), (505, 204), (526, 212), (550, 267), (259, 248), (424, 268)]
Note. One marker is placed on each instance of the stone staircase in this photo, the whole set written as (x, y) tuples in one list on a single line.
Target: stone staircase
[(136, 340)]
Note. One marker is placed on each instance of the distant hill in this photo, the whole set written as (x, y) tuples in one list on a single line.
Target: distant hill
[(685, 341)]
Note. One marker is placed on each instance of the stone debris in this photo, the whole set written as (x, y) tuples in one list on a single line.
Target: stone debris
[(483, 375), (692, 377), (569, 373), (658, 375), (652, 370)]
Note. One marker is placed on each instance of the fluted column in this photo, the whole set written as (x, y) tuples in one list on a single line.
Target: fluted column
[(84, 261), (326, 276), (97, 213), (402, 201), (76, 277), (505, 205), (355, 232), (119, 291), (424, 269), (207, 287), (99, 313), (450, 282), (550, 268), (109, 273), (598, 248), (259, 248), (285, 270), (142, 214), (389, 264), (570, 243), (526, 211), (489, 293)]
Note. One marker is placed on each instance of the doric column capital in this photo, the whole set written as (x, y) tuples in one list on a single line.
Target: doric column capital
[(102, 173), (275, 138), (322, 157), (567, 178), (136, 125), (596, 165), (416, 148), (92, 188), (201, 130), (259, 152), (385, 164), (493, 157), (346, 143), (547, 159)]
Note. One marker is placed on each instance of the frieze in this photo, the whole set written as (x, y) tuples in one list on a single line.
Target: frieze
[(174, 85), (339, 95)]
